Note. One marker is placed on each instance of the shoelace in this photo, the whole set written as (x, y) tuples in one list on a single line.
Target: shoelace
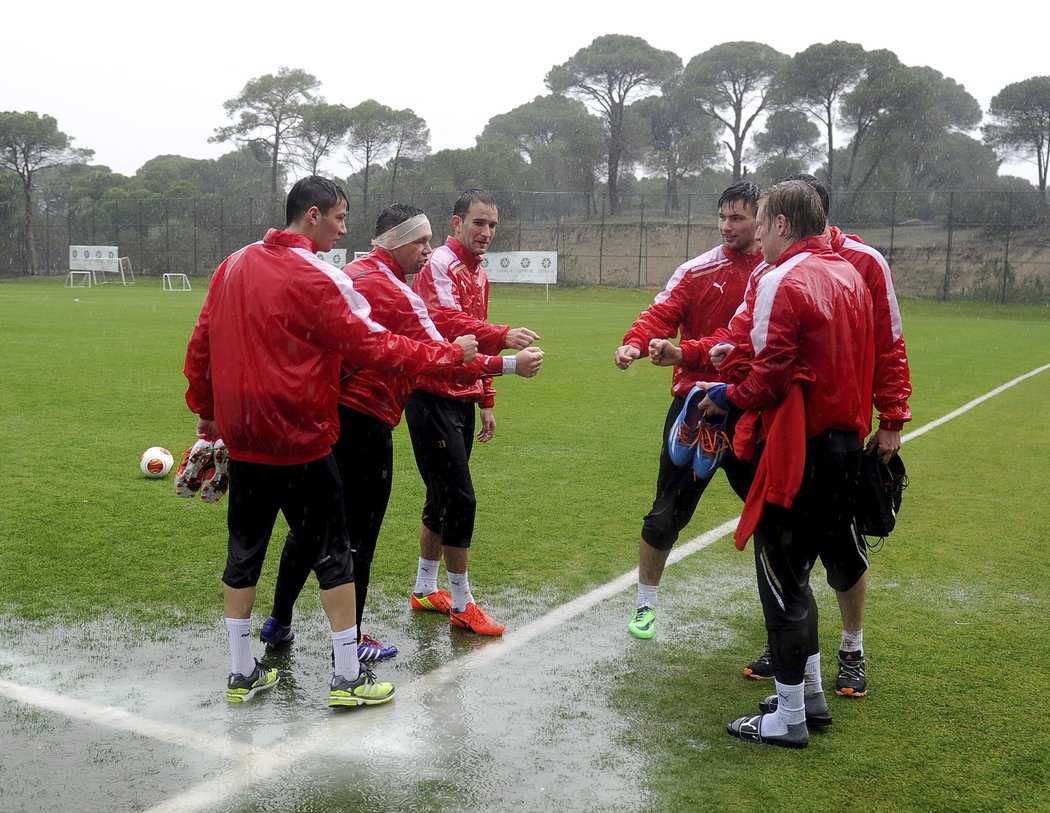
[(850, 669), (713, 438)]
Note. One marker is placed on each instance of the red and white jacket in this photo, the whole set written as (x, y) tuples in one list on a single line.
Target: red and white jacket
[(265, 354), (812, 322), (892, 372), (701, 296), (381, 393), (892, 383), (455, 289)]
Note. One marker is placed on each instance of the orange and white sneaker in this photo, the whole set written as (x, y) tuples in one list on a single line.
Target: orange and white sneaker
[(440, 601), (190, 473), (476, 620)]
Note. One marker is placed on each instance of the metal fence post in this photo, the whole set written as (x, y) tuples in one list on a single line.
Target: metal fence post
[(601, 241), (641, 237), (1006, 254), (167, 236), (688, 222), (948, 257), (47, 236), (893, 226)]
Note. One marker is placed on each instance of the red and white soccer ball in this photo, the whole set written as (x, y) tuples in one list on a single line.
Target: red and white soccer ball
[(156, 462)]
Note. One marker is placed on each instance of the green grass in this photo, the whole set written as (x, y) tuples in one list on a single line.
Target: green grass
[(957, 611)]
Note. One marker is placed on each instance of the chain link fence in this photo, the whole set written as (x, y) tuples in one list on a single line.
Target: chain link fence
[(977, 245)]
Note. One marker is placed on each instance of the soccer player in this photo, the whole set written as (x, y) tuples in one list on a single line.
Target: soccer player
[(701, 296), (370, 406), (809, 385), (263, 369), (441, 418), (848, 577)]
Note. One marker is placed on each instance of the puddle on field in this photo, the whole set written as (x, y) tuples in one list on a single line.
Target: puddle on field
[(478, 724)]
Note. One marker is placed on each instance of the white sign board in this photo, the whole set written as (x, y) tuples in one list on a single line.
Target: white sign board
[(522, 266), (94, 258), (336, 257)]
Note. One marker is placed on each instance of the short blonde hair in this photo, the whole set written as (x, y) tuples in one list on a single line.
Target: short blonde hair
[(800, 205)]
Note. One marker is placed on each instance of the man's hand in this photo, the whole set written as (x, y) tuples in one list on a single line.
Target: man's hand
[(708, 406), (664, 354), (527, 362), (625, 354), (469, 345), (518, 338), (885, 443), (488, 425), (719, 352), (207, 429)]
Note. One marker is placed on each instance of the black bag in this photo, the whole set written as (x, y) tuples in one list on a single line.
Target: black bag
[(879, 499)]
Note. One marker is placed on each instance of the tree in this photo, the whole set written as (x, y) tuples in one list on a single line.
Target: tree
[(1020, 124), (787, 145), (270, 109), (372, 132), (904, 112), (411, 142), (607, 73), (563, 143), (30, 143), (679, 139), (321, 130), (733, 84), (816, 79)]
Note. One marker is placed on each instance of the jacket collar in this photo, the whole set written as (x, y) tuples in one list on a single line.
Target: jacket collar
[(816, 245), (287, 239), (469, 260)]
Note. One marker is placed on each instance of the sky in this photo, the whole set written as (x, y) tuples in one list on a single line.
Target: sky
[(132, 81)]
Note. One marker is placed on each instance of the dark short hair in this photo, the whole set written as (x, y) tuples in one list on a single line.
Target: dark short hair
[(744, 191), (799, 203), (818, 185), (312, 190), (471, 196), (394, 215)]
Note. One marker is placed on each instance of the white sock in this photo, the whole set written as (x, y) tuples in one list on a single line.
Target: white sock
[(812, 680), (427, 576), (647, 594), (791, 709), (852, 641), (459, 586), (344, 647), (238, 633)]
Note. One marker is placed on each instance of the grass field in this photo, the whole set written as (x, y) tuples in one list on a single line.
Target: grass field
[(95, 558)]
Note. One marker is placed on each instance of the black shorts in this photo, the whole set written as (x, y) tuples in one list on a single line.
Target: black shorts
[(365, 454), (788, 542), (310, 497), (678, 491), (442, 431)]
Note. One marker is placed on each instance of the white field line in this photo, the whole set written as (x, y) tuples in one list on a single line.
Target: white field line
[(256, 764), (113, 717), (967, 407)]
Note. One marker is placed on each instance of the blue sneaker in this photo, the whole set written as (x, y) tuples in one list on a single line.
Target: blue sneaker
[(685, 431), (372, 650), (274, 635), (711, 445)]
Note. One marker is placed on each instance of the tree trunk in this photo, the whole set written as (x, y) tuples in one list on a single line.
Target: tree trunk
[(615, 149), (30, 237)]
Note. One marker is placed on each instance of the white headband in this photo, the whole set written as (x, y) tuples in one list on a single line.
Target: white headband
[(403, 233)]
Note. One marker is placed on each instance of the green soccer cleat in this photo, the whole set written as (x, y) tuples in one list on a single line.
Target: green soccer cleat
[(240, 687), (643, 625), (364, 691)]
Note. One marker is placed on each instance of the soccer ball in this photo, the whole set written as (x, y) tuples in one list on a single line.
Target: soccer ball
[(156, 462)]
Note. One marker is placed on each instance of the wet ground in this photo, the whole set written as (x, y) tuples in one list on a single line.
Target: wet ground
[(107, 716)]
